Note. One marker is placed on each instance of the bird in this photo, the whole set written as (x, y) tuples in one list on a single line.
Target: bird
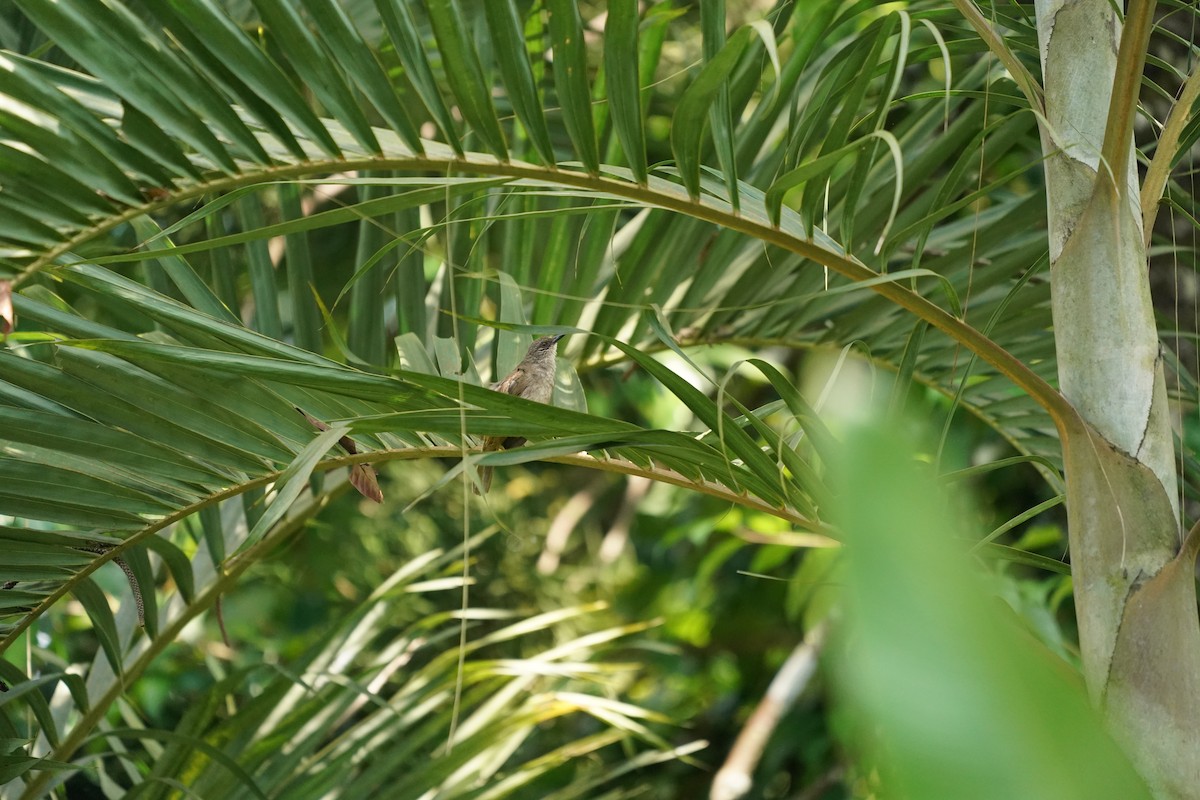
[(532, 379)]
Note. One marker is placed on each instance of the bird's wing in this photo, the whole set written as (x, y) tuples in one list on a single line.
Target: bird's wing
[(515, 383)]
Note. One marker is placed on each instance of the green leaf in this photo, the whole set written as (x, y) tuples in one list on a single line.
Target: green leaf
[(292, 481), (623, 83), (692, 113), (733, 437), (306, 319), (397, 18), (223, 54), (366, 334), (194, 290), (464, 73), (917, 602), (712, 25), (508, 35), (571, 80), (244, 778), (113, 44), (312, 63), (346, 45), (21, 687), (262, 272), (177, 563), (95, 603)]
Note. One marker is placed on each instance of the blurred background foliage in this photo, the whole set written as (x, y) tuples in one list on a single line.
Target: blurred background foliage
[(683, 605)]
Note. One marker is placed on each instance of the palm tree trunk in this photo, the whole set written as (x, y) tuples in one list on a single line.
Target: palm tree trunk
[(1134, 590)]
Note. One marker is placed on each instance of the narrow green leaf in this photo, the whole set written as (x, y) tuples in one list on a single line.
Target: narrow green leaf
[(57, 197), (73, 98), (803, 477), (980, 469), (593, 256), (214, 534), (346, 45), (245, 780), (120, 410), (653, 35), (508, 35), (75, 156), (219, 51), (855, 77), (314, 65), (803, 173), (908, 363), (712, 26), (14, 766), (623, 82), (262, 271), (221, 267), (520, 239), (112, 44), (571, 79), (465, 75), (366, 336), (95, 603), (409, 284), (823, 441), (306, 319), (156, 145), (21, 601), (23, 687), (174, 403), (294, 480), (82, 515), (27, 230), (691, 115), (181, 273), (406, 41), (735, 439), (555, 256), (1024, 516), (1016, 556), (79, 437), (24, 478), (177, 563)]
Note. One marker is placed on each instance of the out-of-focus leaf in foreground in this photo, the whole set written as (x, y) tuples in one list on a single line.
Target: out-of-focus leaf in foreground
[(947, 691)]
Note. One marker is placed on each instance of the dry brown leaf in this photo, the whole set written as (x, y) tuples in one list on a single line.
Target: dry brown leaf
[(8, 318), (362, 477)]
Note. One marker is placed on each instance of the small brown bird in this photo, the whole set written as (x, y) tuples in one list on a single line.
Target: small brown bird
[(532, 379)]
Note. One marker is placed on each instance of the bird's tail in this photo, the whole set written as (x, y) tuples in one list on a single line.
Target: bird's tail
[(485, 481)]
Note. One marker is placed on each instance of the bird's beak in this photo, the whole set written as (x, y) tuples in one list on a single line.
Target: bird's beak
[(558, 336)]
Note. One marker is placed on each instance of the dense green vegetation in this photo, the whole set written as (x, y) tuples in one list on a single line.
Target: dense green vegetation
[(802, 486)]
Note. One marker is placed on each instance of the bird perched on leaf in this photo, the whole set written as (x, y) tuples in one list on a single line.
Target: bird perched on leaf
[(532, 379)]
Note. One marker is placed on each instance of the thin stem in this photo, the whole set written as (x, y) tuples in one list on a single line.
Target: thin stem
[(1122, 106), (1159, 170)]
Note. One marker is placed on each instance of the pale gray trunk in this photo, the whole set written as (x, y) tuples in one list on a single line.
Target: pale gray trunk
[(1134, 592)]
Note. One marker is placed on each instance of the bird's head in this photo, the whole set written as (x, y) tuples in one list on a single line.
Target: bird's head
[(544, 344)]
